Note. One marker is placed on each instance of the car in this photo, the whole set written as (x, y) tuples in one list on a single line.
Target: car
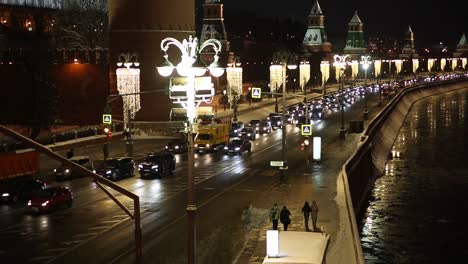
[(276, 121), (157, 165), (238, 146), (50, 198), (179, 145), (65, 172), (317, 113), (249, 133), (235, 128), (264, 128), (20, 190), (255, 123), (117, 168)]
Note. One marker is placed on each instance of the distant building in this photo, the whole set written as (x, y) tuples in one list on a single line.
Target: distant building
[(315, 39), (355, 43), (462, 47), (408, 51)]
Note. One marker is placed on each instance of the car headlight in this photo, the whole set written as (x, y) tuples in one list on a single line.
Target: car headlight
[(248, 135), (167, 147), (5, 194), (29, 203), (265, 128), (94, 171), (176, 147), (154, 167), (207, 145), (108, 172), (140, 166), (55, 170), (237, 148), (240, 134), (226, 148), (44, 203), (235, 130), (196, 145), (278, 122), (67, 171)]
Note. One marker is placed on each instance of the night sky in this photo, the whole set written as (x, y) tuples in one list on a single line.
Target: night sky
[(432, 21)]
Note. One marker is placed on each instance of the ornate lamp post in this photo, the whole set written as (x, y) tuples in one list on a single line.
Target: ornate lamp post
[(365, 62), (128, 85), (191, 66), (340, 63)]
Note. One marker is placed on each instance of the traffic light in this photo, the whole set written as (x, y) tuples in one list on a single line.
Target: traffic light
[(108, 132), (306, 142)]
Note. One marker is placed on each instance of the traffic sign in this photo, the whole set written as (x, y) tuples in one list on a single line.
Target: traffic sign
[(276, 163), (306, 130), (107, 119), (256, 92)]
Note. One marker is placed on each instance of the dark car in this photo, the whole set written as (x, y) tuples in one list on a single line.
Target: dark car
[(249, 133), (20, 190), (276, 121), (66, 172), (50, 198), (236, 127), (117, 168), (255, 123), (177, 146), (238, 146), (264, 128), (317, 113), (157, 165)]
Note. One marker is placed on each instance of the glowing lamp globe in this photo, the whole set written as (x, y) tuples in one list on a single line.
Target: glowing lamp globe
[(166, 67)]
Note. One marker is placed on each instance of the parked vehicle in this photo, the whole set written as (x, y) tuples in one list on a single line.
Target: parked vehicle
[(117, 168), (50, 199), (157, 165), (249, 133), (20, 190), (238, 146), (211, 137), (65, 172), (179, 145), (235, 128), (18, 164), (264, 128)]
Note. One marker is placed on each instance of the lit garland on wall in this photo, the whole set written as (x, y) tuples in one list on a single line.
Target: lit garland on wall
[(415, 65), (128, 82), (454, 63), (377, 67), (325, 69), (464, 62), (430, 64), (398, 64), (442, 64), (276, 76), (234, 78), (354, 68), (304, 74)]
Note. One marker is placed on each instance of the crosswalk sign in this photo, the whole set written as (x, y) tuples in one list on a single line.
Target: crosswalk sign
[(256, 92), (306, 130), (107, 119)]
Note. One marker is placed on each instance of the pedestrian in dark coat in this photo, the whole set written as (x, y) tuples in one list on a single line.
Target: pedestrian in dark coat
[(284, 217), (314, 214), (306, 210)]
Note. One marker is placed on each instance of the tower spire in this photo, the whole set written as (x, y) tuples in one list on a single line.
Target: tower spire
[(355, 43), (408, 49), (315, 39)]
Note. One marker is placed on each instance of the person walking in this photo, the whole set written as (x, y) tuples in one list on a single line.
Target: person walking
[(284, 217), (314, 214), (306, 209), (274, 216)]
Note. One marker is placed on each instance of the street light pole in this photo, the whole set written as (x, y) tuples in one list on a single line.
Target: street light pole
[(365, 65), (341, 61), (190, 67)]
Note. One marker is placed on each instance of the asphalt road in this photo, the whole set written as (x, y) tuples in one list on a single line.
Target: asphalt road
[(95, 230)]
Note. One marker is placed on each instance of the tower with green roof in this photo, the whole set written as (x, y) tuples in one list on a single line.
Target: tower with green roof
[(355, 43), (408, 50), (315, 39), (462, 47)]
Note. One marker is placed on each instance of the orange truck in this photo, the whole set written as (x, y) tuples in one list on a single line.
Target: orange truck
[(18, 163)]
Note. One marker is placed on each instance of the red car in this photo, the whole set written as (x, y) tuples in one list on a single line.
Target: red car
[(50, 198)]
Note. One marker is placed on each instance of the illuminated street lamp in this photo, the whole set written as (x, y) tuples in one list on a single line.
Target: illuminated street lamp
[(191, 66), (128, 85), (340, 62), (365, 62)]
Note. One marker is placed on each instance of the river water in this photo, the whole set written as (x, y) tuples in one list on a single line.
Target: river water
[(418, 211)]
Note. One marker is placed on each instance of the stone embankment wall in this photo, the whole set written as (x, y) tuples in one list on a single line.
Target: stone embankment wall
[(368, 162)]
